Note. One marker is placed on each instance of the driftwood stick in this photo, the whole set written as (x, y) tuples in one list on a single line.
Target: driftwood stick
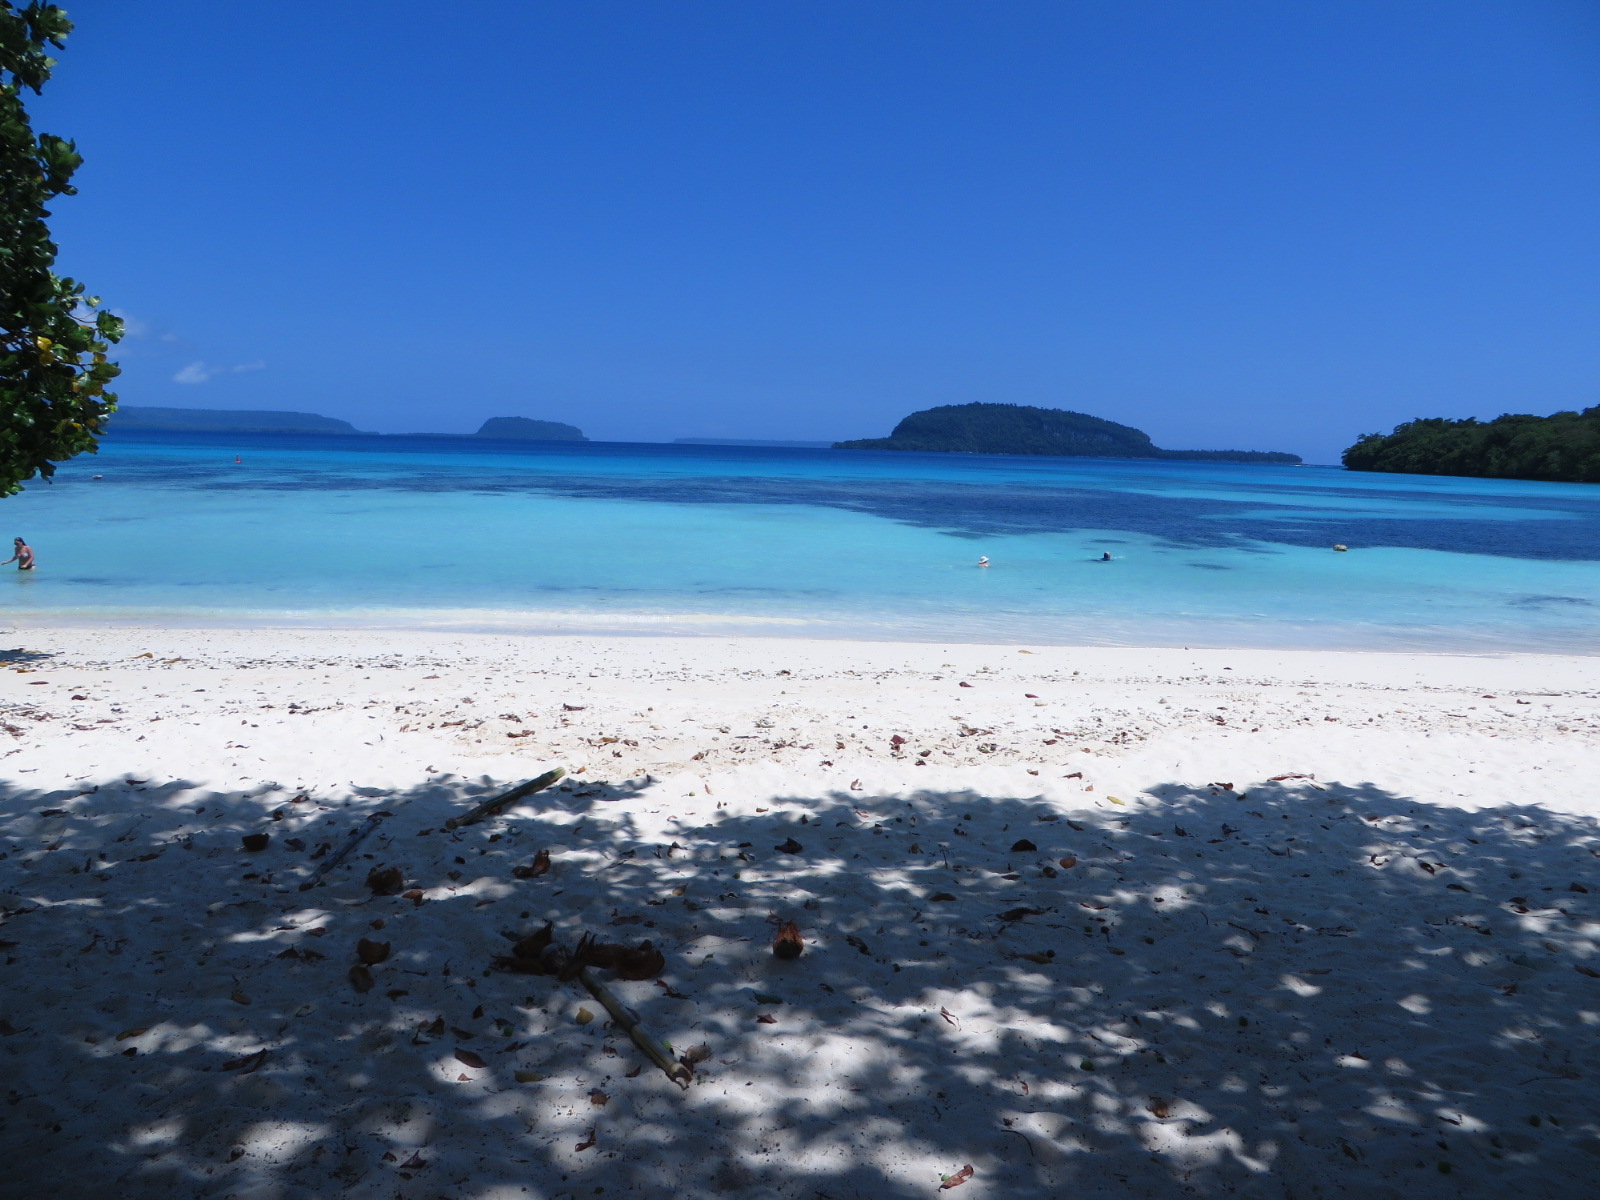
[(642, 1038), (490, 807), (343, 852)]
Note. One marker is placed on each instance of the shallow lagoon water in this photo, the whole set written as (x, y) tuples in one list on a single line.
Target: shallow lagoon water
[(463, 533)]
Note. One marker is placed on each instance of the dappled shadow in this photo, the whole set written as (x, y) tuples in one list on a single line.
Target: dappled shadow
[(1300, 991), (25, 657)]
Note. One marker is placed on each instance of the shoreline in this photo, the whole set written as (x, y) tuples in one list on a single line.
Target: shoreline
[(542, 624), (1103, 920)]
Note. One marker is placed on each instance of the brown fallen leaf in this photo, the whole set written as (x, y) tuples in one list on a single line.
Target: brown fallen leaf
[(372, 953), (1589, 971), (695, 1055), (539, 866), (239, 997), (361, 978), (947, 1015), (672, 994), (598, 1098), (790, 846), (644, 961), (1159, 1109), (246, 1063), (415, 895), (415, 1163), (788, 943), (470, 1058), (1069, 862), (386, 881), (590, 1140), (1022, 846), (941, 896), (766, 1019), (255, 841), (956, 1180), (435, 1028), (1016, 914)]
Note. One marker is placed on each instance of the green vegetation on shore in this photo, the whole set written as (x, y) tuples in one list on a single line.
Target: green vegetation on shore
[(1564, 446), (1021, 429), (54, 339)]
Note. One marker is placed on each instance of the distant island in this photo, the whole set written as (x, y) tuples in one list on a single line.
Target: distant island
[(1564, 446), (1021, 429), (527, 429), (751, 442), (130, 416)]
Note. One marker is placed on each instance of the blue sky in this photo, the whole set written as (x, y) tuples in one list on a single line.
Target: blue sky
[(1254, 225)]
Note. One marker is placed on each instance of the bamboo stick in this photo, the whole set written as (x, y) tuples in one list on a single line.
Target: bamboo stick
[(343, 852), (490, 807), (642, 1038)]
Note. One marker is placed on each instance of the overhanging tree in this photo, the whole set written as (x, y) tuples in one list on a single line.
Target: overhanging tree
[(54, 339)]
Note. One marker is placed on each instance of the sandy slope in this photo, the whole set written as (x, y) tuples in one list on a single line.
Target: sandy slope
[(1372, 981)]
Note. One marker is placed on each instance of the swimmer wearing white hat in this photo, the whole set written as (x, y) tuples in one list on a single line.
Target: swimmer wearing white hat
[(983, 560)]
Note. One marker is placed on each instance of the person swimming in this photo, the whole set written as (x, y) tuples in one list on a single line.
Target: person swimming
[(23, 557), (1106, 557), (983, 560)]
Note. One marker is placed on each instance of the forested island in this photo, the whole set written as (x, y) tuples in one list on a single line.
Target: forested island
[(191, 420), (1021, 429), (1564, 446), (527, 429)]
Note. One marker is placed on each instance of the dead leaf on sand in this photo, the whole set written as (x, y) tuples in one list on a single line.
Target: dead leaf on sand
[(1022, 846), (954, 1181), (246, 1063), (361, 978), (598, 1098), (386, 881), (1016, 914), (372, 953), (471, 1059), (587, 1142), (539, 866)]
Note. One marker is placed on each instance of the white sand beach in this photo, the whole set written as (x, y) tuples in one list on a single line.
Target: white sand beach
[(1093, 921)]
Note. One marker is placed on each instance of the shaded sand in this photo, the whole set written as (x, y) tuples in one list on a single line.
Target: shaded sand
[(1092, 947)]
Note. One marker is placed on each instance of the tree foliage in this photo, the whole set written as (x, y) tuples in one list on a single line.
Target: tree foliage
[(53, 338), (1024, 429), (1564, 446)]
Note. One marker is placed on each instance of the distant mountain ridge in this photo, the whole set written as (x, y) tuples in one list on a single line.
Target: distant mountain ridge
[(527, 429), (129, 416), (981, 428)]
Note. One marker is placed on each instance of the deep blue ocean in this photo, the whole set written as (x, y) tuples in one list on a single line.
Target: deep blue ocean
[(468, 533)]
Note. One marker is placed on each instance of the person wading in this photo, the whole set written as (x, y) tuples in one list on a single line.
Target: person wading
[(23, 556)]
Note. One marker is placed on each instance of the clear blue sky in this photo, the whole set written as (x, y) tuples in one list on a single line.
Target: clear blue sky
[(1260, 225)]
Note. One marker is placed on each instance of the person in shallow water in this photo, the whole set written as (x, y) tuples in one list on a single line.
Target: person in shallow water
[(1106, 557), (983, 560), (23, 557)]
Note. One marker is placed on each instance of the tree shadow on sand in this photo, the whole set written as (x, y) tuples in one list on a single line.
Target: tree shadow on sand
[(1301, 991)]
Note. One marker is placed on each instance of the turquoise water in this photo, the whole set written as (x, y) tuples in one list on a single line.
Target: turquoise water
[(636, 538)]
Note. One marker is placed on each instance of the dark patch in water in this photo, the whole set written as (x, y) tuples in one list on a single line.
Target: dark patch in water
[(1208, 566), (994, 503), (1549, 601)]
